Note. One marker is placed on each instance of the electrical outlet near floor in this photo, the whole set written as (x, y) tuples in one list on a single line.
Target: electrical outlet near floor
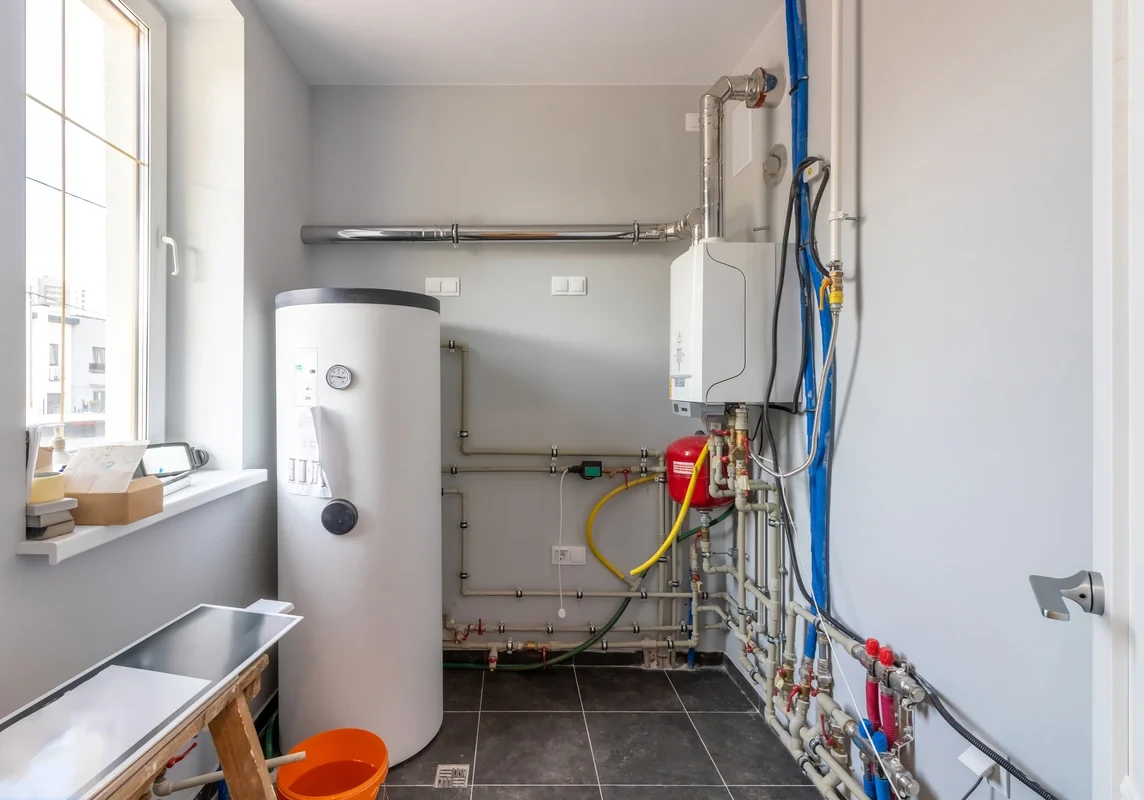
[(982, 765), (568, 556)]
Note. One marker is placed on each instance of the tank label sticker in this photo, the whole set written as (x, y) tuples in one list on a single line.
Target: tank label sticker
[(683, 467), (306, 376), (305, 474)]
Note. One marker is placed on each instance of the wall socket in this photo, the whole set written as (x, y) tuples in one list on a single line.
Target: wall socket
[(981, 765), (568, 556)]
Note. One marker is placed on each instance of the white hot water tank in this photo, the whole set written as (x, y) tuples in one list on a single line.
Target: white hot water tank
[(359, 513)]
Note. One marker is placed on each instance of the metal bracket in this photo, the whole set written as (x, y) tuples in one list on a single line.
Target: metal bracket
[(1085, 588)]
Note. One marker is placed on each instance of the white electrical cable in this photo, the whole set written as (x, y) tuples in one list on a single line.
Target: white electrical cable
[(826, 365), (834, 652), (560, 545)]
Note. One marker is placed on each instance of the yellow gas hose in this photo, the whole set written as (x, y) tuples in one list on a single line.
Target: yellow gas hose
[(592, 518), (678, 520)]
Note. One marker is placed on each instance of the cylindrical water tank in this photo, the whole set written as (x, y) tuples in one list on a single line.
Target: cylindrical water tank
[(359, 537)]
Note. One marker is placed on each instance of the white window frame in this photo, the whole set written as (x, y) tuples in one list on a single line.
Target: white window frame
[(151, 303)]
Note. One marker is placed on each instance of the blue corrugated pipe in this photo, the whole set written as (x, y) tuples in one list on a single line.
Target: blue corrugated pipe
[(817, 474)]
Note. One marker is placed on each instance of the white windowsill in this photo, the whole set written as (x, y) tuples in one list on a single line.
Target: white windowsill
[(205, 486)]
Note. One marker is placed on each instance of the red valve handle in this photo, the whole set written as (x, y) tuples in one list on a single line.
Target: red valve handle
[(790, 699), (176, 759)]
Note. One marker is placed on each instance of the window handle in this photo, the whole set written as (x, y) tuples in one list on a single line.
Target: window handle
[(167, 240)]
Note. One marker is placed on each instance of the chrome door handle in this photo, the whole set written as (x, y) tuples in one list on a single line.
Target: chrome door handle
[(1085, 588)]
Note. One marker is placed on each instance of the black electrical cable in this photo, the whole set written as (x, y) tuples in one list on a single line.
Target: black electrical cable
[(1001, 761), (813, 243), (792, 195), (973, 788)]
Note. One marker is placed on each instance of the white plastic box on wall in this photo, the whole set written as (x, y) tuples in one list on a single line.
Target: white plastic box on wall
[(722, 302)]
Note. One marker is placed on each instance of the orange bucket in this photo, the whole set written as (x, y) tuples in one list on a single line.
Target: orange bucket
[(342, 764)]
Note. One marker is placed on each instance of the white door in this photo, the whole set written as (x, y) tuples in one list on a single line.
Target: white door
[(1118, 399)]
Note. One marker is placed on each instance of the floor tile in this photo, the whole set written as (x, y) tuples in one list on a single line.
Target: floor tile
[(774, 793), (422, 793), (454, 744), (626, 689), (709, 690), (537, 748), (746, 750), (660, 793), (463, 689), (547, 690), (536, 793), (650, 749)]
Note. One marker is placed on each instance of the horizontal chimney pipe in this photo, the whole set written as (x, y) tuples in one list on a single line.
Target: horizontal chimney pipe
[(634, 232)]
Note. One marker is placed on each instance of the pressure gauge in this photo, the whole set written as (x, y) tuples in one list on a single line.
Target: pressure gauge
[(338, 377)]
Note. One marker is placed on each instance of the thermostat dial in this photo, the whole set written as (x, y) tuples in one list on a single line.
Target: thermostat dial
[(338, 377)]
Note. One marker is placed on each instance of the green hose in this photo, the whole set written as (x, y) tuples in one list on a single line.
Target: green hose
[(560, 659), (580, 648), (714, 522)]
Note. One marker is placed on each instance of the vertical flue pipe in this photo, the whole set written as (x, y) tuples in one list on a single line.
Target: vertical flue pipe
[(751, 89)]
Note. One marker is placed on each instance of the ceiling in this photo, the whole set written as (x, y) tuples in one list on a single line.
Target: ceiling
[(517, 42)]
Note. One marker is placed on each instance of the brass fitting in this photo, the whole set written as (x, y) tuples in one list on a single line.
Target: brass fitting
[(835, 294)]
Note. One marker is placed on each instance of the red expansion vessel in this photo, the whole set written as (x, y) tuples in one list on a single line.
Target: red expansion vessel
[(680, 457)]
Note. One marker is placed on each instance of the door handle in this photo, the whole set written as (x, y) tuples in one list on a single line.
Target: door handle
[(1085, 588)]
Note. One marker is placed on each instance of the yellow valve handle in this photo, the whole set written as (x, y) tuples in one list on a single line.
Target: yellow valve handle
[(612, 568), (679, 519)]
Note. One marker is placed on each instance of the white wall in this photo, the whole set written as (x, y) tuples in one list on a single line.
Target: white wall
[(56, 621), (207, 91), (545, 370), (963, 459)]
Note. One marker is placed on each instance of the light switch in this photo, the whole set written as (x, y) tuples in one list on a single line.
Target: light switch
[(564, 286), (443, 287), (691, 121)]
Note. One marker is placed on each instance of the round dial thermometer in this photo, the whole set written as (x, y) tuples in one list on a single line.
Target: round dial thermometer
[(338, 377)]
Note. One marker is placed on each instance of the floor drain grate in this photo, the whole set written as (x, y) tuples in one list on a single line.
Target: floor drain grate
[(452, 776)]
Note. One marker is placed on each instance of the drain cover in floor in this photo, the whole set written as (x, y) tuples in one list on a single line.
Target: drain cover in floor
[(452, 776)]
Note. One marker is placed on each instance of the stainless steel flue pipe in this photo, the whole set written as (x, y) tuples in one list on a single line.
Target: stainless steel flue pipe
[(635, 232), (752, 90)]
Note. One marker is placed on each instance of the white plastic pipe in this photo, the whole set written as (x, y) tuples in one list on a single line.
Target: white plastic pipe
[(835, 132), (554, 593), (164, 788)]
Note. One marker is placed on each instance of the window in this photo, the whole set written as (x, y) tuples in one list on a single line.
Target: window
[(95, 201)]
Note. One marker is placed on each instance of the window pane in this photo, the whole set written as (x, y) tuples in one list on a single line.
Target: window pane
[(102, 76), (43, 136), (44, 258), (87, 165), (102, 265), (44, 37)]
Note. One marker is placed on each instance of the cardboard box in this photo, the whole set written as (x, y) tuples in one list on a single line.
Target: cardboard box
[(143, 498)]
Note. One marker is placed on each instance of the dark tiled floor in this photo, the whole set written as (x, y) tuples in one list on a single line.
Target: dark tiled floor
[(602, 733)]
